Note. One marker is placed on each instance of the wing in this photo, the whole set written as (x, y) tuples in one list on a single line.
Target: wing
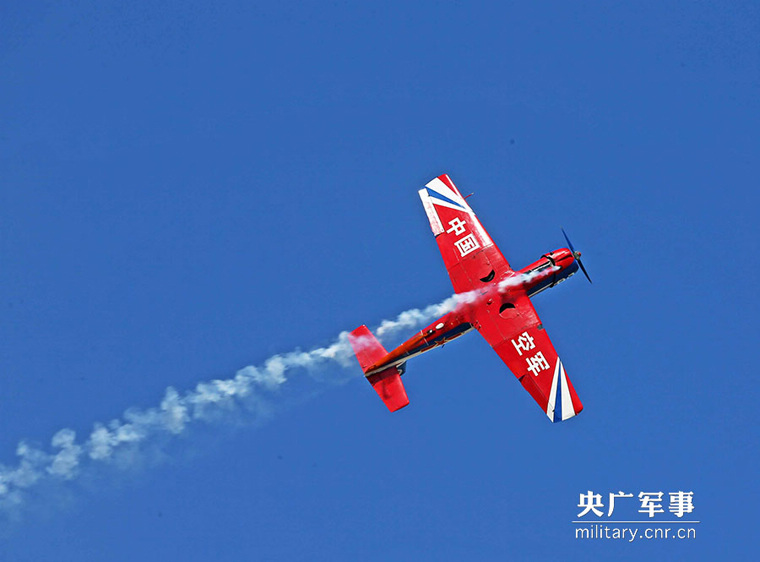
[(517, 335), (471, 258)]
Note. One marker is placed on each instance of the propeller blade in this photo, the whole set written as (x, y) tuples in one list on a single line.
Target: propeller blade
[(585, 272), (569, 244), (576, 254)]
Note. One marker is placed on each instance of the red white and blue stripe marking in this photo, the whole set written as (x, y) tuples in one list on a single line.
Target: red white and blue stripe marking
[(560, 405)]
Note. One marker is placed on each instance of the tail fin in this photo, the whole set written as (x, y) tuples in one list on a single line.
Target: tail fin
[(387, 383)]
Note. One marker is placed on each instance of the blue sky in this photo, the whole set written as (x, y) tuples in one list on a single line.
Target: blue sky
[(188, 188)]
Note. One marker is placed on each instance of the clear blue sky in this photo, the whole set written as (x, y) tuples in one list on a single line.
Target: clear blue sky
[(187, 188)]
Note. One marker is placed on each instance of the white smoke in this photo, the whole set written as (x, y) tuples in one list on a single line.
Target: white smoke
[(253, 390), (416, 317)]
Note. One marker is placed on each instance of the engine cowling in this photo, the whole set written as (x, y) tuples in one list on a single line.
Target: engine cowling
[(551, 269)]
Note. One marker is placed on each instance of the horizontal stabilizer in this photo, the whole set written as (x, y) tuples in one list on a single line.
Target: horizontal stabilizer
[(389, 388), (387, 383)]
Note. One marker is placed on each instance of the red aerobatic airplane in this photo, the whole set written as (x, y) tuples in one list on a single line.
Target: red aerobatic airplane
[(492, 298)]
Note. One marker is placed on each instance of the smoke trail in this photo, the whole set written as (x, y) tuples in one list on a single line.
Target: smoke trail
[(254, 390)]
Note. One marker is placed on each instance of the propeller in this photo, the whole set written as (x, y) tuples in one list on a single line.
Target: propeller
[(577, 255)]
